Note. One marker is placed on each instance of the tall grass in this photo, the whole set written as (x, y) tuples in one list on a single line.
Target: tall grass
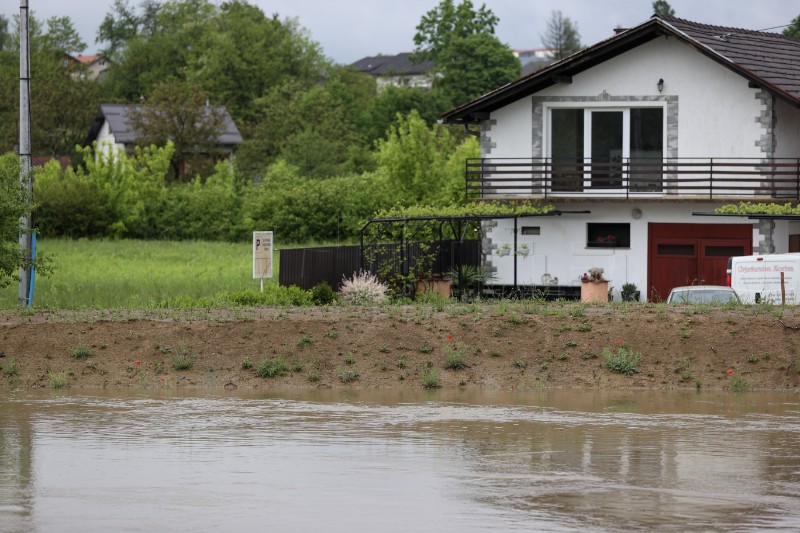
[(129, 274)]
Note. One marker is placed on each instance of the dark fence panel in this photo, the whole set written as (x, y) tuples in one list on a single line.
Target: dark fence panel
[(306, 267)]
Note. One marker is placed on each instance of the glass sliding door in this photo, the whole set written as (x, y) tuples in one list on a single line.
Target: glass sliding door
[(647, 149), (607, 149), (567, 140)]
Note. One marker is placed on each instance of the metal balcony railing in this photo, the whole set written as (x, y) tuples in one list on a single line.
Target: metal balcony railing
[(673, 179)]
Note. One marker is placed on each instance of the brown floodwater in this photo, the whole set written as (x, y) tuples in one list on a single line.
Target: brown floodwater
[(390, 461)]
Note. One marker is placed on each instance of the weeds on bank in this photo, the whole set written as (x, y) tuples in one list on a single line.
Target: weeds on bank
[(247, 363), (184, 359), (11, 368), (430, 378), (738, 385), (58, 380), (81, 352), (623, 361), (455, 357), (348, 374), (269, 368)]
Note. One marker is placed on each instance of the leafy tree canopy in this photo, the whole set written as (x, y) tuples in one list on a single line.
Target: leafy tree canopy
[(793, 30), (662, 7), (469, 59), (177, 112)]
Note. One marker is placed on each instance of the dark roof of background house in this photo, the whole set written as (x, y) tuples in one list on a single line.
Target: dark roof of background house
[(768, 60), (395, 65), (119, 122)]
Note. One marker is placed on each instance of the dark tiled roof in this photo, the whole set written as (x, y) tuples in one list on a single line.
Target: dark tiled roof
[(396, 65), (768, 60), (771, 57), (119, 122)]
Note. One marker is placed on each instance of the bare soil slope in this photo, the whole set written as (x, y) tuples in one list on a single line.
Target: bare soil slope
[(503, 346)]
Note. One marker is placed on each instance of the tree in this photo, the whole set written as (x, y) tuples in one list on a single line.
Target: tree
[(793, 30), (122, 24), (662, 7), (469, 59), (13, 205), (178, 112), (562, 36)]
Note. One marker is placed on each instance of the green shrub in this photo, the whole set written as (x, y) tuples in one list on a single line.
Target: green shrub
[(183, 360), (81, 352), (323, 294), (623, 361), (58, 380), (430, 378), (269, 368), (346, 375), (11, 368), (455, 358)]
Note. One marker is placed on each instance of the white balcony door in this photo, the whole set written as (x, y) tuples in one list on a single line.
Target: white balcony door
[(607, 148)]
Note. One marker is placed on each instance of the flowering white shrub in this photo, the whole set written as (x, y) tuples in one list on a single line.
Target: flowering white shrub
[(363, 288)]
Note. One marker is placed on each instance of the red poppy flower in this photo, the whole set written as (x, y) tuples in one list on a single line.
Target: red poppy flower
[(161, 380), (619, 342), (449, 337), (138, 363), (730, 371)]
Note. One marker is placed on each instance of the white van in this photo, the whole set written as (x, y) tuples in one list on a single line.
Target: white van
[(757, 278)]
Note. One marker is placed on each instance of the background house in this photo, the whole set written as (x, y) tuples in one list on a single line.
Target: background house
[(629, 139), (112, 130), (397, 70)]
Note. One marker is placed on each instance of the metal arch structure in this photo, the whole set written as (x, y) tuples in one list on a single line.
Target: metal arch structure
[(410, 248)]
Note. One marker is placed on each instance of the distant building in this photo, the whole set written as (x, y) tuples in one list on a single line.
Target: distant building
[(92, 66), (397, 70), (535, 59)]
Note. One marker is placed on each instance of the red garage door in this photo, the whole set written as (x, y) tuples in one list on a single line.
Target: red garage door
[(691, 254)]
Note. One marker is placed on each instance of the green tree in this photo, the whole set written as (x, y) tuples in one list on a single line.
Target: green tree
[(793, 30), (461, 42), (562, 36), (416, 162), (662, 7), (63, 100), (122, 24), (178, 112), (13, 205)]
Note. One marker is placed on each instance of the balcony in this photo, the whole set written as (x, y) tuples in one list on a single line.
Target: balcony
[(683, 179)]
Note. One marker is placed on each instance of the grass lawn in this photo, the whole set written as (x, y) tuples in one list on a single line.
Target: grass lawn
[(125, 274)]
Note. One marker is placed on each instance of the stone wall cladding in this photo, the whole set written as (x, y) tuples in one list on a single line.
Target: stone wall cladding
[(766, 243), (487, 245), (486, 137), (767, 120)]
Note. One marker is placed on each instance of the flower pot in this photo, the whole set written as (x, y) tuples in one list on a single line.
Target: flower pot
[(630, 296), (441, 286), (503, 251), (594, 292), (524, 252)]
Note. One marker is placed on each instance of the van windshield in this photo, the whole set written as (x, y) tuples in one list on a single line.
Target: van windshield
[(702, 296)]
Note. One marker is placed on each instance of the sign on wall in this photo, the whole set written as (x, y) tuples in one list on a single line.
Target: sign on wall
[(262, 254)]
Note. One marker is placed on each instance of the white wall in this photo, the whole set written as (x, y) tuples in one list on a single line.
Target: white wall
[(787, 130), (560, 248), (717, 110), (106, 142)]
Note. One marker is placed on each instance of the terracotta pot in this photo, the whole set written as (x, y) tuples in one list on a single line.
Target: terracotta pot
[(441, 286), (594, 292)]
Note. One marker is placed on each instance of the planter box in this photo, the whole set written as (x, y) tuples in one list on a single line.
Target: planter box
[(442, 286), (630, 296), (594, 292)]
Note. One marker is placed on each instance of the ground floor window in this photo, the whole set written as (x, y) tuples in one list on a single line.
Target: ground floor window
[(608, 235)]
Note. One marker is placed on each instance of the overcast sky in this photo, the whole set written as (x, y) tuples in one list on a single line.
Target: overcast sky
[(348, 30)]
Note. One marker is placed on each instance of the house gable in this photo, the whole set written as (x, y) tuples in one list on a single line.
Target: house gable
[(767, 61)]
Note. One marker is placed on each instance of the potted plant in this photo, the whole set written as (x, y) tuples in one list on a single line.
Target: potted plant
[(629, 292), (504, 250), (523, 249)]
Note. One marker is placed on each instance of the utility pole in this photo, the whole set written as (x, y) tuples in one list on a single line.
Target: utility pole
[(24, 151)]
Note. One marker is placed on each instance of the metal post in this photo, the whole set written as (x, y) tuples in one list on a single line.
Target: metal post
[(24, 151)]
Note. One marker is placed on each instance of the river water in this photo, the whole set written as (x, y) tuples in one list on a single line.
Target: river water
[(375, 461)]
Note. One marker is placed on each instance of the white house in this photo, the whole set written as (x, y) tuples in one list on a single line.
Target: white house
[(635, 142), (113, 130), (397, 70)]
